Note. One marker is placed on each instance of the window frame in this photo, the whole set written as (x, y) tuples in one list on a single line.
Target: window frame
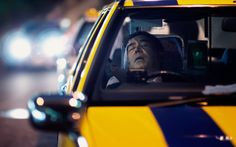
[(83, 55), (93, 84)]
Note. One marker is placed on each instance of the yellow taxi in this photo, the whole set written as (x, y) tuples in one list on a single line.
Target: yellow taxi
[(151, 73)]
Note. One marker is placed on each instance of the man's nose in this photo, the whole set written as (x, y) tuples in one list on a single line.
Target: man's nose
[(138, 49)]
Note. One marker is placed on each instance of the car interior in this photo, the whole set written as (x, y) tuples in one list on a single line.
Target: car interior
[(195, 55)]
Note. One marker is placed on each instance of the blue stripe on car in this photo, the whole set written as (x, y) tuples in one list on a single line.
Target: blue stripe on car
[(188, 126), (155, 3)]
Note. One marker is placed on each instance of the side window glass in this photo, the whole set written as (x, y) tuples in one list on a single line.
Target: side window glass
[(87, 48), (84, 47)]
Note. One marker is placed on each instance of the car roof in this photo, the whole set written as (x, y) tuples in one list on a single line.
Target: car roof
[(176, 2)]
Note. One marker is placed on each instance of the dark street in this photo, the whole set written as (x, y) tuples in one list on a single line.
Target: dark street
[(16, 88)]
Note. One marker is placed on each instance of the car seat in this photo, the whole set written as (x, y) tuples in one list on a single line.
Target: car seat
[(113, 68), (172, 58)]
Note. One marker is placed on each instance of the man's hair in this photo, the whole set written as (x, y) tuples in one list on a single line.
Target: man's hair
[(151, 38)]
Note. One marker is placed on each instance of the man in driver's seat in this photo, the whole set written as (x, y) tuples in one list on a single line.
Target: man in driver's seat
[(141, 59)]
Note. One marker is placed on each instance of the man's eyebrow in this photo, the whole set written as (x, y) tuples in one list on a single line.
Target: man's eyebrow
[(129, 44)]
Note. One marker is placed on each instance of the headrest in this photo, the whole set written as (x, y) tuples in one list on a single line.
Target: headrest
[(116, 58), (229, 57), (172, 43), (173, 55)]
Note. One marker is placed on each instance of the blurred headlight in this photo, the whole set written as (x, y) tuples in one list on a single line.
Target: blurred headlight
[(65, 23), (53, 45), (20, 48), (16, 48), (61, 64)]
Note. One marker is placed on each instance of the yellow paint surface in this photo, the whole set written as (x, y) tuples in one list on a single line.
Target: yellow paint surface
[(128, 3), (225, 118), (122, 127)]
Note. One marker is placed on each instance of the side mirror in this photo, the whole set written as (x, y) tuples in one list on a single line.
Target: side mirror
[(54, 112)]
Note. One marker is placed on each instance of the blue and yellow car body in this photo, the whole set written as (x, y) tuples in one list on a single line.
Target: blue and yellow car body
[(147, 125), (150, 125)]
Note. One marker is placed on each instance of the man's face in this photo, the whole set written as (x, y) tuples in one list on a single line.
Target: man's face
[(139, 52)]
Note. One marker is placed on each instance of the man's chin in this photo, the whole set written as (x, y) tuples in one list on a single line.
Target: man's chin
[(139, 66)]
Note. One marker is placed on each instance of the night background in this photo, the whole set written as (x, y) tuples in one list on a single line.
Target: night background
[(18, 85), (14, 12)]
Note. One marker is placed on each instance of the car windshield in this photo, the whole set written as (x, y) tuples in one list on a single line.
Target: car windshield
[(168, 52)]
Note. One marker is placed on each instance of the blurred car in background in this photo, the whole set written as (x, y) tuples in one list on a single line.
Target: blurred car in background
[(82, 28), (76, 38), (35, 44)]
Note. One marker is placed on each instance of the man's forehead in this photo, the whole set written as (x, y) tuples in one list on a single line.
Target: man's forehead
[(140, 38)]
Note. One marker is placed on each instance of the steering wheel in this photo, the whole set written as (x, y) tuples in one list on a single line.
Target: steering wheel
[(169, 76)]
